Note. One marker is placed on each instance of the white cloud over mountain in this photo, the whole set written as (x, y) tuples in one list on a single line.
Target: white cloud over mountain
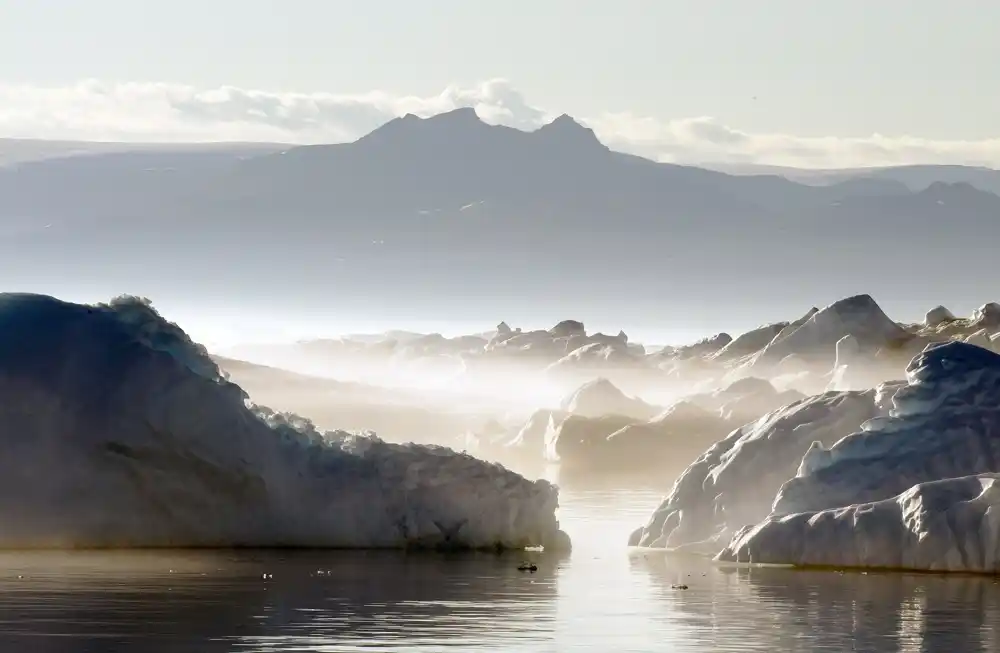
[(93, 110)]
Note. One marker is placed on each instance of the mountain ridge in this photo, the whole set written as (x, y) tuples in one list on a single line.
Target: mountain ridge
[(421, 210)]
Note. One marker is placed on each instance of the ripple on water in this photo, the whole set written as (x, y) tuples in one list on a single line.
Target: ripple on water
[(600, 597)]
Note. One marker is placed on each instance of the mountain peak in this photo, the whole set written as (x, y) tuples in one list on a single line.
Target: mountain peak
[(565, 130), (463, 115), (410, 126), (565, 121), (942, 191)]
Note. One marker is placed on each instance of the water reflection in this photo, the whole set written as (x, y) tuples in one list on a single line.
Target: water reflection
[(262, 601), (791, 610), (601, 597)]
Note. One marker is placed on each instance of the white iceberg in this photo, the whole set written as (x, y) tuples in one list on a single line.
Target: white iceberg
[(815, 339), (601, 397), (749, 343), (937, 316), (601, 429), (947, 525), (945, 423), (734, 482), (915, 489), (118, 431), (987, 315)]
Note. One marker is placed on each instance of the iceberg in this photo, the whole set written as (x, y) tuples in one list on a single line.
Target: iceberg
[(916, 488), (582, 442), (744, 400), (734, 482), (937, 316), (941, 325), (668, 442), (855, 369), (531, 435), (944, 423), (601, 429), (815, 339), (980, 338), (119, 431), (987, 315), (947, 525), (601, 397), (749, 343)]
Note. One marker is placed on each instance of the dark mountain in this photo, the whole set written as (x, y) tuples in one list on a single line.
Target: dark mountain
[(450, 211)]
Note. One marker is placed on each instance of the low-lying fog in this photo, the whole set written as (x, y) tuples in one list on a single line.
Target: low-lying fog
[(588, 403)]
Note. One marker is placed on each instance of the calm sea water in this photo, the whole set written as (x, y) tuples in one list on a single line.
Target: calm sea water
[(601, 597)]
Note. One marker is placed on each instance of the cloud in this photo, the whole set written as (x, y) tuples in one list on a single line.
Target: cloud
[(93, 110)]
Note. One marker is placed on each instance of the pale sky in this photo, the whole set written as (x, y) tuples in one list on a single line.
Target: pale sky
[(907, 80), (791, 82)]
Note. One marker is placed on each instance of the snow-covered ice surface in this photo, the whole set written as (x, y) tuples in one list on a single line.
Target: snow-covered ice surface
[(944, 423), (915, 489), (734, 482), (118, 431)]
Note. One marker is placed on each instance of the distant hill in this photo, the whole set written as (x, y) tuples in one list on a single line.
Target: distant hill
[(423, 216), (914, 177), (25, 150)]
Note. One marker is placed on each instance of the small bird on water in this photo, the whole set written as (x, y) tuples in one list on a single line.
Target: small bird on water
[(527, 566)]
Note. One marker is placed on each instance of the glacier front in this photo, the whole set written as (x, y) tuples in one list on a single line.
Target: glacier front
[(118, 431)]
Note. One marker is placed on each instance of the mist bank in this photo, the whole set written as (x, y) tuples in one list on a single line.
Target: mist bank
[(597, 403)]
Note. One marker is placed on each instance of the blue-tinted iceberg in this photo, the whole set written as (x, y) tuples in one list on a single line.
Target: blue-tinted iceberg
[(117, 430), (914, 489)]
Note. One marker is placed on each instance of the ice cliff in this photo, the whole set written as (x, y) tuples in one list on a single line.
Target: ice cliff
[(119, 431)]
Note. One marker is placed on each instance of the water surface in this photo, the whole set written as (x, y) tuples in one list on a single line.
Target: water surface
[(601, 597)]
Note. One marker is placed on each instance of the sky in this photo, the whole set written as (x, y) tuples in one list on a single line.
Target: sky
[(783, 82)]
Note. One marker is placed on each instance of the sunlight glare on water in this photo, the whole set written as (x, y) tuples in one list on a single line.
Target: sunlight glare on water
[(601, 597)]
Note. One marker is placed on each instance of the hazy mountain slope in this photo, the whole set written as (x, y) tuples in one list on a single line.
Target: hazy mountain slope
[(15, 151), (914, 177), (421, 211)]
